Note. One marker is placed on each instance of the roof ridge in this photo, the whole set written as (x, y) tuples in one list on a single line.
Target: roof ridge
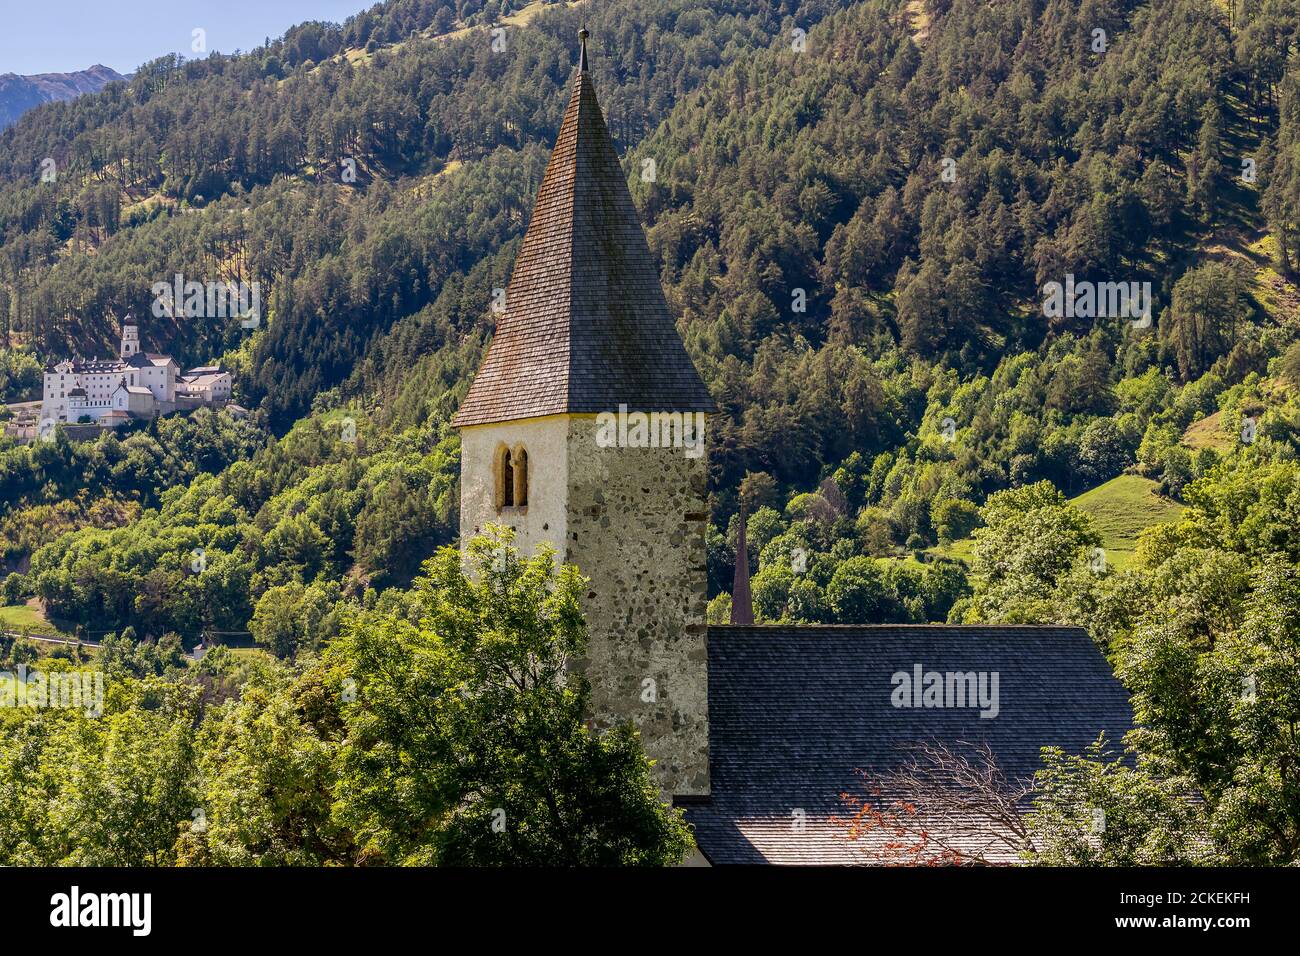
[(575, 105), (939, 626), (759, 631)]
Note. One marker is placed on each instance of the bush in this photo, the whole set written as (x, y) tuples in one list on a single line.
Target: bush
[(954, 519), (807, 603), (14, 588), (856, 593), (771, 590)]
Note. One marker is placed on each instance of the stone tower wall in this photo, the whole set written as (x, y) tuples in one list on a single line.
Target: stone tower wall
[(633, 521), (636, 527)]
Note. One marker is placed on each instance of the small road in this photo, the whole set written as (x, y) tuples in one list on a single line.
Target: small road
[(49, 640)]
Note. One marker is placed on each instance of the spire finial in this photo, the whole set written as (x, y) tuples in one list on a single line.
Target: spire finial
[(582, 56)]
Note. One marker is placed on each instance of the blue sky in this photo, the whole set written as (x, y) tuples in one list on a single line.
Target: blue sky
[(58, 36)]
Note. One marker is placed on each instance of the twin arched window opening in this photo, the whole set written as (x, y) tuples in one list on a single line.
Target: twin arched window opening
[(511, 477)]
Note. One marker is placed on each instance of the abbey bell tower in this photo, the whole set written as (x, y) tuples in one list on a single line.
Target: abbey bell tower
[(584, 427), (130, 338)]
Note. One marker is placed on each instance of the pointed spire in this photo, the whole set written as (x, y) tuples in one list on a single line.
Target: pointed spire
[(742, 602), (586, 327)]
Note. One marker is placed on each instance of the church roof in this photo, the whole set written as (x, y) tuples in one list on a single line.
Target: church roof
[(97, 366), (202, 380), (585, 326), (795, 712)]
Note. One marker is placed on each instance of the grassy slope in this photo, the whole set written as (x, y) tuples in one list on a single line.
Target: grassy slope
[(1207, 433), (19, 617), (1123, 507)]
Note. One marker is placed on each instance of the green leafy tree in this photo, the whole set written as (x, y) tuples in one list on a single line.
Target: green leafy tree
[(467, 741), (266, 773), (770, 589), (1024, 555), (1220, 707), (109, 790), (1096, 809), (291, 616), (1208, 306), (857, 593), (954, 519)]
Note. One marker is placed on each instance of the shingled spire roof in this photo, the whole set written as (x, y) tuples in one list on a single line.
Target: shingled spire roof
[(585, 326)]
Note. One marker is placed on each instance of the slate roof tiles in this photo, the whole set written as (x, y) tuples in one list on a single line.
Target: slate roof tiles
[(795, 712), (585, 326)]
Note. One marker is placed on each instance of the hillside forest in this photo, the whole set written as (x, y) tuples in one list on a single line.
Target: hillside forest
[(858, 210)]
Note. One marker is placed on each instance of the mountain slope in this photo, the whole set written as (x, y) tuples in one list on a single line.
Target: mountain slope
[(18, 94), (232, 169)]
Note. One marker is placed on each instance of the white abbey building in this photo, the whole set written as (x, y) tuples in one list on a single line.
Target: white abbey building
[(136, 385)]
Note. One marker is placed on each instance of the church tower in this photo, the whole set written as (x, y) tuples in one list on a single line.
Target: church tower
[(130, 338), (584, 427)]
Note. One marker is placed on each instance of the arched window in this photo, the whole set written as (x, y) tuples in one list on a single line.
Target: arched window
[(519, 461), (508, 480), (510, 469)]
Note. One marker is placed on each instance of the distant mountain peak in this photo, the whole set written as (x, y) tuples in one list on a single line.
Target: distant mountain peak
[(18, 94)]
